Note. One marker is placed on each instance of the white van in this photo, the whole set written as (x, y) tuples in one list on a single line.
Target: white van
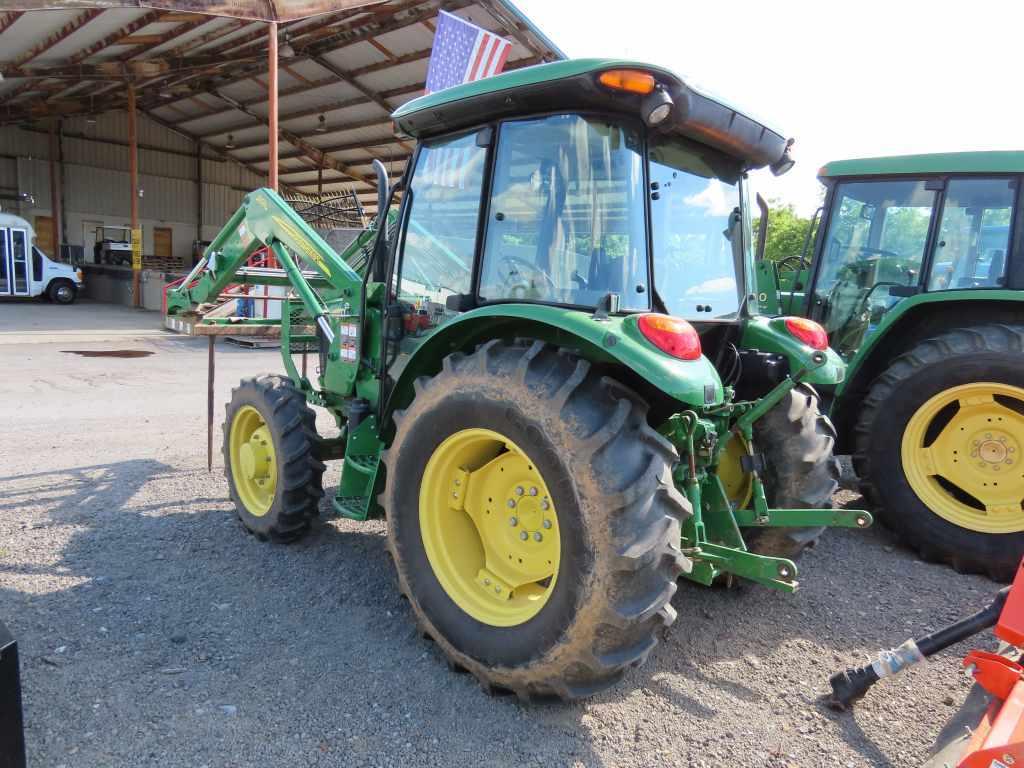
[(27, 271)]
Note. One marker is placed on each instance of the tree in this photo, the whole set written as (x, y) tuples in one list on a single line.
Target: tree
[(787, 231)]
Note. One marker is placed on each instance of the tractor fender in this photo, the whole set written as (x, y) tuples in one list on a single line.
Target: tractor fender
[(615, 340), (769, 334), (910, 321)]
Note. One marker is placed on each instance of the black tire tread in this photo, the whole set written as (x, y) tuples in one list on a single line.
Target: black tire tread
[(300, 484), (938, 350), (801, 472), (621, 620)]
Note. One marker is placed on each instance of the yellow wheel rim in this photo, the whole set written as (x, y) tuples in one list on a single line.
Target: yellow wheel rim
[(489, 527), (962, 452), (253, 463), (739, 486)]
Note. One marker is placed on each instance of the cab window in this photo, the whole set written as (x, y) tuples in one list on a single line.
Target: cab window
[(974, 235), (875, 241), (566, 217), (440, 236)]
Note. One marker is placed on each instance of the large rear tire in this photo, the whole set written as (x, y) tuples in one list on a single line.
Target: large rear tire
[(455, 522), (797, 441), (939, 448), (270, 458)]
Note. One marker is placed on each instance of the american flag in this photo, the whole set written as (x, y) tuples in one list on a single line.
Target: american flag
[(463, 52)]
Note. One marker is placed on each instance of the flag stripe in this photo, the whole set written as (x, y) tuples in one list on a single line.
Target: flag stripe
[(478, 54), (506, 49), (492, 49)]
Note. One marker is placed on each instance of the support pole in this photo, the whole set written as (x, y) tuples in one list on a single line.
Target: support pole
[(133, 172), (54, 192), (209, 405), (199, 192), (272, 103)]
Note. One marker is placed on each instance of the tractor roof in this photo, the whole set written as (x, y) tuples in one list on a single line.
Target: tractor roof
[(940, 162), (573, 85)]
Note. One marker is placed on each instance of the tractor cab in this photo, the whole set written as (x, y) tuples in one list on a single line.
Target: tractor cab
[(628, 195), (895, 228)]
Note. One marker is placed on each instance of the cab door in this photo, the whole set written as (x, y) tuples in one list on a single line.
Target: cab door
[(20, 270), (5, 262), (870, 254)]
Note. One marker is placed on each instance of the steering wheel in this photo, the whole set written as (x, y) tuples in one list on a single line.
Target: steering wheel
[(517, 285), (787, 263)]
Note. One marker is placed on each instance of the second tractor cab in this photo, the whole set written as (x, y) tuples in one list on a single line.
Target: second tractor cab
[(918, 277), (547, 371), (25, 271)]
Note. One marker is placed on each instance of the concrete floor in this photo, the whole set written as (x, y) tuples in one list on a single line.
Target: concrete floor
[(154, 632), (84, 321)]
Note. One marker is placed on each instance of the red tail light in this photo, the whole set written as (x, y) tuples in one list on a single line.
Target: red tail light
[(671, 335), (808, 331)]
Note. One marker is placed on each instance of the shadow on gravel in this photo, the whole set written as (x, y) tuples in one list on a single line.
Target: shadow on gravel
[(161, 634)]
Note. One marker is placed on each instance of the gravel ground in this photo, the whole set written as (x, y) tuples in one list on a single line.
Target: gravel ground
[(154, 632)]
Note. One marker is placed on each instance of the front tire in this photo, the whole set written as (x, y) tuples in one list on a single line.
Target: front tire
[(606, 473), (939, 448), (62, 292), (270, 458)]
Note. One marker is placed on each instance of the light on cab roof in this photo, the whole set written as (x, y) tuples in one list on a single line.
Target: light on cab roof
[(632, 80)]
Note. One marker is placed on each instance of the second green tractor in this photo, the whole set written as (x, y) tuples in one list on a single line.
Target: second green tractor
[(546, 369), (917, 274)]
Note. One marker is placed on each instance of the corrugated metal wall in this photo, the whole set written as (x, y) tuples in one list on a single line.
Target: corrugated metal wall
[(96, 183)]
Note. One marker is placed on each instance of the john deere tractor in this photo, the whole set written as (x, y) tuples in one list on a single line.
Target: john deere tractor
[(917, 274), (546, 369)]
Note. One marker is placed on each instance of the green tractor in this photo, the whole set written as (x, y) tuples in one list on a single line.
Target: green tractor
[(546, 370), (917, 274)]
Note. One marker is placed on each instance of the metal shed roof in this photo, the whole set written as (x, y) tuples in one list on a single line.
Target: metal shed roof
[(203, 76)]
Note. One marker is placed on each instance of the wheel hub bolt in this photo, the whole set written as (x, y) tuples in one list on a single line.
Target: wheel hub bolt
[(537, 536), (544, 504), (519, 490), (511, 503), (513, 521), (533, 491), (524, 535), (547, 523)]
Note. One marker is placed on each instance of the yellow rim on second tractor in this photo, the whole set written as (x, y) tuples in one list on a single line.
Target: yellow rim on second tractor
[(966, 467), (489, 527), (253, 461), (738, 485)]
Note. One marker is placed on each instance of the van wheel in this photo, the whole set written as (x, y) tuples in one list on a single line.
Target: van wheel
[(62, 292)]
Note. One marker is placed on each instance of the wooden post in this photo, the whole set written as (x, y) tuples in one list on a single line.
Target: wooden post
[(133, 172), (54, 193), (272, 101)]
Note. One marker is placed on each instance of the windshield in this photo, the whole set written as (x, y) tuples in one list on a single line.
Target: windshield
[(699, 251)]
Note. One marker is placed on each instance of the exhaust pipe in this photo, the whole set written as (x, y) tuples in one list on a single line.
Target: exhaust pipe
[(382, 188)]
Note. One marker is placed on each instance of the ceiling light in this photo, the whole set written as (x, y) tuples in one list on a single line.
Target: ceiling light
[(322, 127), (231, 142), (286, 51)]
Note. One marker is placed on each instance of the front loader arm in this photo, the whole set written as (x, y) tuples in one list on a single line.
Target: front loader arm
[(264, 219)]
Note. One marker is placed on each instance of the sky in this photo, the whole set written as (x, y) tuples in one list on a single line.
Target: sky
[(858, 78)]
